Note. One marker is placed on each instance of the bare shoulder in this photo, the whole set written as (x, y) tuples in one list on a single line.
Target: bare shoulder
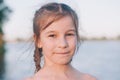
[(84, 76), (88, 77)]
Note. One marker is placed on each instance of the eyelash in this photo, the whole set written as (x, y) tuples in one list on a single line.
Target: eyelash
[(52, 35), (69, 34)]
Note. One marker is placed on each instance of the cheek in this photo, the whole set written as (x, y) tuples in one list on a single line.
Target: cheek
[(72, 43), (72, 46), (47, 46)]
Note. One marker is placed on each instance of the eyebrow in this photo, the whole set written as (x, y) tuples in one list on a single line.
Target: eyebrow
[(66, 31), (71, 30), (50, 32)]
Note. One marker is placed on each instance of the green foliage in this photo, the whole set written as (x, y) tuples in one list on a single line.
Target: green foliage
[(4, 11)]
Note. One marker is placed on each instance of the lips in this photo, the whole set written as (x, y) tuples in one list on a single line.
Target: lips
[(62, 52)]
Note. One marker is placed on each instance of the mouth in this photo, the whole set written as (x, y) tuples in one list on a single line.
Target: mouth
[(63, 52)]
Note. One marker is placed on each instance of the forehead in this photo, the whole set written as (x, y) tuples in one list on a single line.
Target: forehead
[(63, 24)]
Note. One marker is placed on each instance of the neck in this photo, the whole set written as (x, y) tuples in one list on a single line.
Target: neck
[(58, 68)]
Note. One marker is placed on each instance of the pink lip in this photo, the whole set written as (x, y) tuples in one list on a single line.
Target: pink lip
[(63, 53)]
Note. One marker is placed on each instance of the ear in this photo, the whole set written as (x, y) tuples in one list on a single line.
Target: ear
[(39, 44), (37, 41)]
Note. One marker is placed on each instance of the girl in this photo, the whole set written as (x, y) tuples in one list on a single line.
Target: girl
[(56, 37)]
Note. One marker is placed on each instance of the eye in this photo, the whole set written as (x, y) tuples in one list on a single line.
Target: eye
[(70, 34), (52, 35)]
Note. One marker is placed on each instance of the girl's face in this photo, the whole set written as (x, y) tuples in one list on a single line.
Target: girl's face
[(58, 41)]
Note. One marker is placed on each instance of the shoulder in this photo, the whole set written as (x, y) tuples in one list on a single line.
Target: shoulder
[(88, 77), (84, 76)]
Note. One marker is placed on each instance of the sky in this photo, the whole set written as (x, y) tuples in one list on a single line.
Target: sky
[(96, 17)]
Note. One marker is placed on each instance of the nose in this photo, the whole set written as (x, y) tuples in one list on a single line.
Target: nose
[(63, 43)]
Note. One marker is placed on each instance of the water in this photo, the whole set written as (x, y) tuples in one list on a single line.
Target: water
[(98, 58)]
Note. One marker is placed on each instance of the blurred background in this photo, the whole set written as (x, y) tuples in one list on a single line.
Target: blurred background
[(98, 55)]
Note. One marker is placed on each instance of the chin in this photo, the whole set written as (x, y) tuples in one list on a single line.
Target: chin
[(63, 62)]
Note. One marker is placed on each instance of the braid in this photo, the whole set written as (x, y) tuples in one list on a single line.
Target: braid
[(37, 58)]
